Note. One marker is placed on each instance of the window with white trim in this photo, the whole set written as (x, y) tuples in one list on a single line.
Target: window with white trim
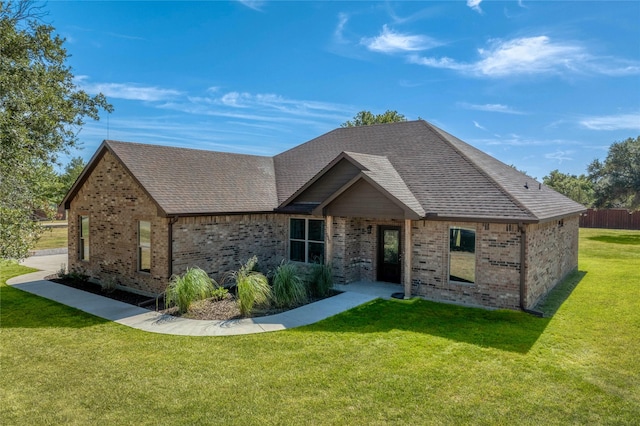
[(462, 255), (306, 240), (83, 238), (144, 246)]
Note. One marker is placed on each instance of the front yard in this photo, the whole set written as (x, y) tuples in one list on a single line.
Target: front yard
[(412, 362)]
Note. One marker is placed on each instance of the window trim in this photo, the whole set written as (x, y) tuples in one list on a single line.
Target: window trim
[(475, 256), (307, 241), (143, 246), (84, 240)]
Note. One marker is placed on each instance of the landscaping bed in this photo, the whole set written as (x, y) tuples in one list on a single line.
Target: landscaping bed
[(207, 309)]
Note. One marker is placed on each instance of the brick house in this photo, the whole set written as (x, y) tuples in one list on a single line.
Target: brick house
[(405, 203)]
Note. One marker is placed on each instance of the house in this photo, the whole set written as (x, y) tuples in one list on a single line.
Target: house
[(404, 203)]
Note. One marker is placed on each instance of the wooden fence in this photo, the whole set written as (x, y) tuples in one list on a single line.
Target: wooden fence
[(610, 219)]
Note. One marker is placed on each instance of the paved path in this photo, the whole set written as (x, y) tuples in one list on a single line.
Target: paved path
[(143, 319)]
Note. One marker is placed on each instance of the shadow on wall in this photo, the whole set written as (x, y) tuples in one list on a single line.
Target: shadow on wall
[(512, 331)]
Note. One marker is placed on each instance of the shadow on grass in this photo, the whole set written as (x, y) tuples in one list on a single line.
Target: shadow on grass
[(507, 330), (512, 331), (23, 310), (628, 239), (556, 297)]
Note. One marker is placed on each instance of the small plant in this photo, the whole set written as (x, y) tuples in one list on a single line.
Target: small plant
[(74, 276), (219, 293), (252, 287), (185, 289), (62, 272), (288, 288), (320, 280), (109, 284)]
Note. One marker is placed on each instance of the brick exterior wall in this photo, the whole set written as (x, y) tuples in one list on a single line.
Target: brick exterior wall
[(497, 273), (219, 244), (552, 254), (115, 203)]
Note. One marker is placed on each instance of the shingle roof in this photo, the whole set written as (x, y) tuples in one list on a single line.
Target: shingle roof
[(426, 168), (193, 181), (448, 177)]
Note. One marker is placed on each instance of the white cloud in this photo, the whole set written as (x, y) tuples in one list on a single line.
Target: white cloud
[(478, 125), (475, 5), (613, 122), (559, 156), (390, 41), (343, 18), (129, 91), (491, 108), (532, 55), (253, 4)]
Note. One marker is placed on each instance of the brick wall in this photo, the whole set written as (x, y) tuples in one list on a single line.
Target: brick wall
[(219, 244), (497, 264), (115, 203), (552, 253)]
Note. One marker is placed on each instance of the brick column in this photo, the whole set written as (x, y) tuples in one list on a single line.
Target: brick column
[(406, 276)]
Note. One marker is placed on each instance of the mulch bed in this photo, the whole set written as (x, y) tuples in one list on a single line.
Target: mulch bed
[(208, 309)]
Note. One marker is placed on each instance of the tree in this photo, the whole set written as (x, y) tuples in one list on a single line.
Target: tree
[(71, 172), (41, 111), (578, 188), (616, 181), (366, 118)]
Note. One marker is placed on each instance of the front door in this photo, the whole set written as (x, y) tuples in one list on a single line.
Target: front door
[(389, 254)]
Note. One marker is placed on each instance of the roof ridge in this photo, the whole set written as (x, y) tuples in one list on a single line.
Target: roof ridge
[(502, 189), (155, 145)]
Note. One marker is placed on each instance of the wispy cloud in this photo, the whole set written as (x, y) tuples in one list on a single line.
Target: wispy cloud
[(559, 156), (475, 5), (519, 140), (129, 91), (505, 109), (613, 122), (530, 56), (478, 125), (390, 41), (253, 4), (338, 33)]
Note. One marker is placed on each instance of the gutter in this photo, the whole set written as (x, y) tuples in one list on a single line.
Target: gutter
[(523, 271), (172, 220)]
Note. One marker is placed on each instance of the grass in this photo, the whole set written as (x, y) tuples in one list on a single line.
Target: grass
[(405, 362), (52, 237)]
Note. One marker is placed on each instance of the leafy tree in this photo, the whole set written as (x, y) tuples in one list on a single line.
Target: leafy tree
[(616, 181), (578, 188), (41, 112), (366, 118), (71, 172)]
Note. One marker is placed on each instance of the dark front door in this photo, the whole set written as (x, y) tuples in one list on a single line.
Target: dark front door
[(389, 254)]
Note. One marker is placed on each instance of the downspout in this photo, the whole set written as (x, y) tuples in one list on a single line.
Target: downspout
[(523, 271), (172, 220)]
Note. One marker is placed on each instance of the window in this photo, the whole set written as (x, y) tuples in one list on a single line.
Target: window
[(144, 246), (83, 246), (462, 255), (306, 240)]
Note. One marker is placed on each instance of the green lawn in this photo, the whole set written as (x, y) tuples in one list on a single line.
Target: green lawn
[(52, 237), (411, 362)]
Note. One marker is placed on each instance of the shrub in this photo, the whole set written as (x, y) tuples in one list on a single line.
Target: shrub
[(219, 293), (288, 288), (252, 287), (109, 284), (320, 280), (183, 290)]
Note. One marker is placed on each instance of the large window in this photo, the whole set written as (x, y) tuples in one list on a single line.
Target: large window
[(306, 240), (83, 243), (144, 246), (462, 255)]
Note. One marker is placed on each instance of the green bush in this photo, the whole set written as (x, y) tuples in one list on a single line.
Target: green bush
[(320, 280), (288, 288), (252, 287), (219, 293), (183, 290)]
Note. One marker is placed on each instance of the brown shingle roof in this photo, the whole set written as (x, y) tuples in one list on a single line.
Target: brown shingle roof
[(448, 177), (429, 170), (193, 181)]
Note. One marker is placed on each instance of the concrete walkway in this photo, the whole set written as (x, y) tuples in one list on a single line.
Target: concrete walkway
[(154, 322)]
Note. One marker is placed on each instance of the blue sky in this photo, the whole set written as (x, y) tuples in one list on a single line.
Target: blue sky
[(540, 85)]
